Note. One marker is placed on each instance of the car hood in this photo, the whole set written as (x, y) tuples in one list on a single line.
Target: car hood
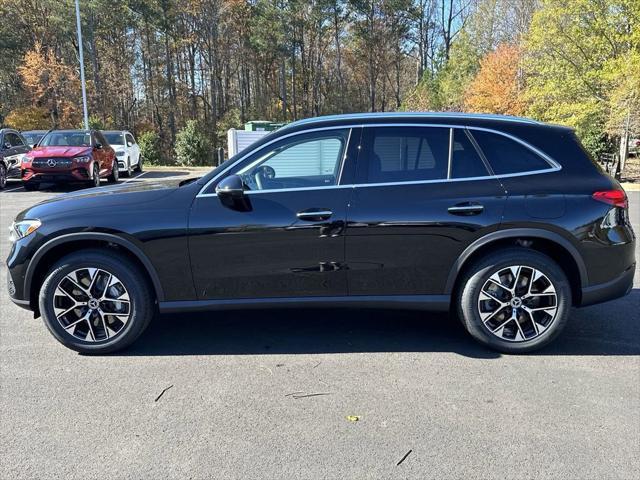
[(59, 151), (128, 193)]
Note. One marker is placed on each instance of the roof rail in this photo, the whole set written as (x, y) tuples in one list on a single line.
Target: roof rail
[(364, 116)]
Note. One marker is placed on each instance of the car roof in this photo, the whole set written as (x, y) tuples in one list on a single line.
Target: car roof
[(490, 121), (415, 115)]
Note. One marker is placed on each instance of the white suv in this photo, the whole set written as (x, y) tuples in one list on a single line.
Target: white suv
[(127, 150)]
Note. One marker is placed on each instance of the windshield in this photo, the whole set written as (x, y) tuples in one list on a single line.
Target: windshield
[(114, 138), (32, 138), (67, 139)]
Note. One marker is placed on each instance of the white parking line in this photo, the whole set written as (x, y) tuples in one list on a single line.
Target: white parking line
[(12, 189), (133, 178)]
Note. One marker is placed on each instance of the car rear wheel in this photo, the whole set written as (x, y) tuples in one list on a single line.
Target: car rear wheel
[(96, 302), (115, 173), (138, 167), (3, 176), (515, 300)]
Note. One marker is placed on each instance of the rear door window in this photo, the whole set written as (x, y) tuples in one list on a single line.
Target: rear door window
[(405, 154), (465, 160), (506, 155)]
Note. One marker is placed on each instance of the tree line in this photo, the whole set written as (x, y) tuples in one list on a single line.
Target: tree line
[(184, 71)]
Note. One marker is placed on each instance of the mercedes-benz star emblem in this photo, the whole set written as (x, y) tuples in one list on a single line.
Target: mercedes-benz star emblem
[(51, 162)]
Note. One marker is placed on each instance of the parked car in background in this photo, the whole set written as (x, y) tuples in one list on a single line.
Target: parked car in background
[(13, 147), (33, 136), (70, 156), (505, 221), (634, 146), (127, 150)]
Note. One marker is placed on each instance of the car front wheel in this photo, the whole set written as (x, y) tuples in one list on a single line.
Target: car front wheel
[(94, 301), (115, 173), (515, 301), (3, 176)]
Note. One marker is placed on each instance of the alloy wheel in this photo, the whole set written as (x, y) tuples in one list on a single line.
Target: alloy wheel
[(3, 176), (518, 303), (92, 304)]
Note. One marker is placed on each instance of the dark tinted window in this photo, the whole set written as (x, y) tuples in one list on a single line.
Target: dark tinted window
[(400, 154), (13, 140), (506, 155), (465, 161), (114, 138)]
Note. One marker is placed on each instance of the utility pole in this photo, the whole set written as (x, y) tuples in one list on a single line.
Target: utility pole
[(84, 86)]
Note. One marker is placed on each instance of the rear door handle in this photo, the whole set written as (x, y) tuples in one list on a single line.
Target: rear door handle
[(466, 208), (314, 214)]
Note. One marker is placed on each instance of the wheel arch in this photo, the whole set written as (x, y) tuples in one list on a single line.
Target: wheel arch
[(54, 249), (552, 244)]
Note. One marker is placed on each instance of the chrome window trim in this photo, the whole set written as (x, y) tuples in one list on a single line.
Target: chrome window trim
[(554, 166)]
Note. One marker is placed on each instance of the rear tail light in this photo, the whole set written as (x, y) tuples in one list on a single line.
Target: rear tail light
[(617, 198)]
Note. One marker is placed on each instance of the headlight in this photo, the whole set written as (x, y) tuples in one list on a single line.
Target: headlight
[(119, 154), (21, 229), (84, 159)]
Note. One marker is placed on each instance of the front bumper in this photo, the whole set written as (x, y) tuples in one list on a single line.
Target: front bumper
[(77, 174), (603, 292)]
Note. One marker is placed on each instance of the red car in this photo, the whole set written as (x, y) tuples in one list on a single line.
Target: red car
[(70, 156)]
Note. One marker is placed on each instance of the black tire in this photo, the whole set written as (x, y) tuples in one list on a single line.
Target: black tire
[(138, 167), (477, 275), (94, 181), (142, 306), (31, 186), (115, 173), (127, 173), (3, 176)]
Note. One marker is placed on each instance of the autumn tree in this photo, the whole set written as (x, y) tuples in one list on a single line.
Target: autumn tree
[(51, 84), (497, 88)]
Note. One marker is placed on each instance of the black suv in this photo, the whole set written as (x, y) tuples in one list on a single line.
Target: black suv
[(13, 147), (504, 221)]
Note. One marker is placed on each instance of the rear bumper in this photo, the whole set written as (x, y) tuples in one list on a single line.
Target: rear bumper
[(603, 292)]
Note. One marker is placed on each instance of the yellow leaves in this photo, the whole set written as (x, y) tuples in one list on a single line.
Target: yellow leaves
[(28, 118), (497, 86), (51, 84)]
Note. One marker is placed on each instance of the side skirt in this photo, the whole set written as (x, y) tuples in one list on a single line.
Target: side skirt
[(409, 302)]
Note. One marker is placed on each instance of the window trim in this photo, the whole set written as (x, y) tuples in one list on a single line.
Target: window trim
[(553, 165)]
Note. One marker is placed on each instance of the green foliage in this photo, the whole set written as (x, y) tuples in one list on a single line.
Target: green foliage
[(95, 123), (193, 146), (149, 143), (578, 53), (229, 120), (445, 89)]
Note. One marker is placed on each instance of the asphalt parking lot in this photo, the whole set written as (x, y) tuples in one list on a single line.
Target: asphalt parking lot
[(267, 395)]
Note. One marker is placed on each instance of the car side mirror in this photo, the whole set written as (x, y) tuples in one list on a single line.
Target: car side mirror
[(231, 193), (98, 146), (6, 145)]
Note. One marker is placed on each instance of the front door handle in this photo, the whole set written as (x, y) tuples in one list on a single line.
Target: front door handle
[(314, 214), (466, 208)]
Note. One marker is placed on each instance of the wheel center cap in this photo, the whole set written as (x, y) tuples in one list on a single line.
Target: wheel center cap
[(516, 302), (93, 304)]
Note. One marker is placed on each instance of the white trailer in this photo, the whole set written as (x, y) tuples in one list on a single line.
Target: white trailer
[(238, 140)]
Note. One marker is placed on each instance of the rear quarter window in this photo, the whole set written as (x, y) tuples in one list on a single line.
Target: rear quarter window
[(506, 155)]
